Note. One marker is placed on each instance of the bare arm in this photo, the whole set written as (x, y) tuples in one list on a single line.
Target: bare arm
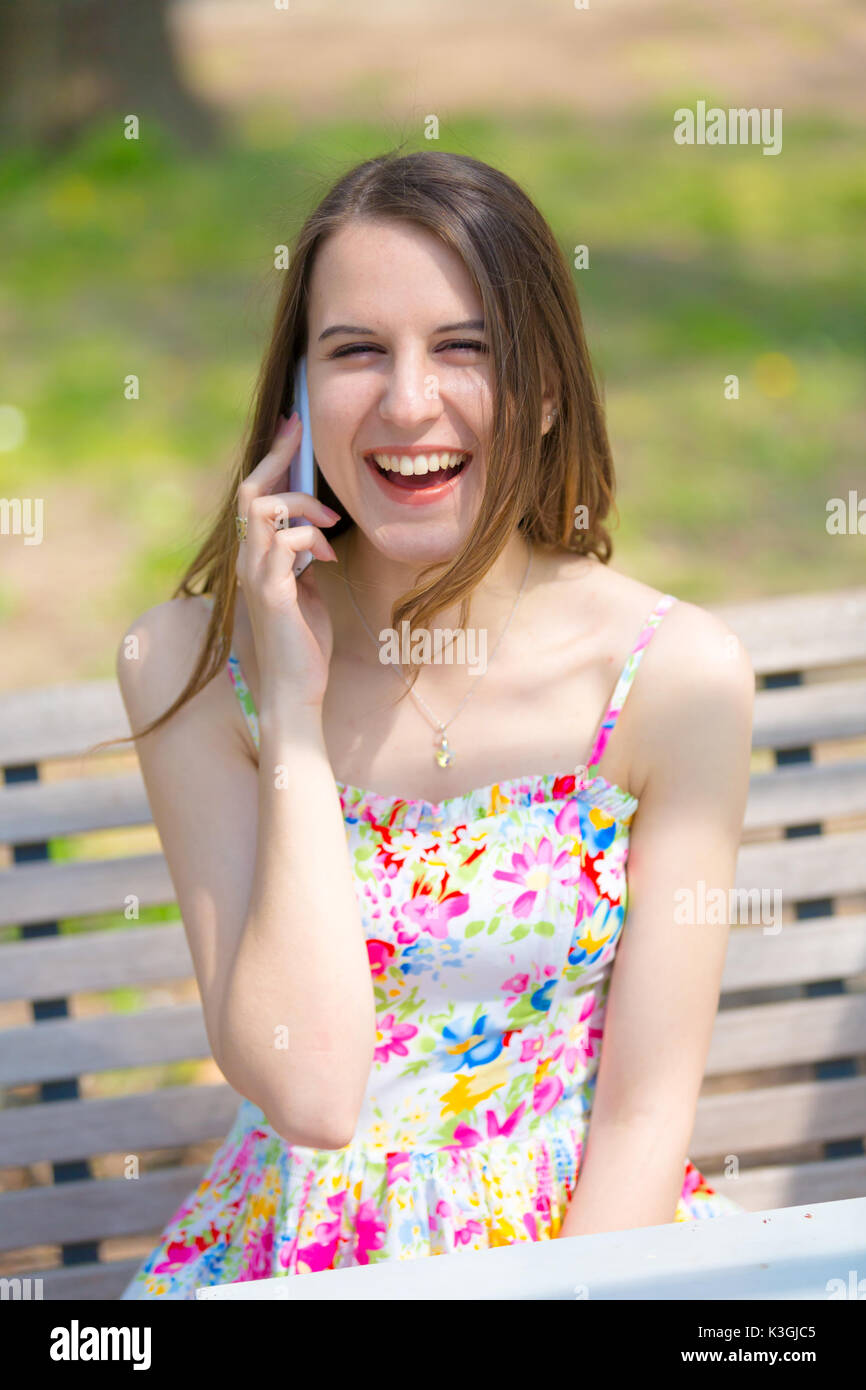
[(696, 709), (263, 882), (258, 857)]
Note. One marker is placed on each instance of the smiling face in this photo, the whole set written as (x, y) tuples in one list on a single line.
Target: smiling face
[(400, 386)]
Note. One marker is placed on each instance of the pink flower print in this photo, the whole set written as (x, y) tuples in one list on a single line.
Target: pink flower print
[(370, 1229), (529, 1223), (398, 1167), (694, 1181), (390, 1037), (380, 954), (494, 1128), (433, 915), (259, 1252), (465, 1234), (567, 820), (530, 1047), (546, 1093), (177, 1254), (534, 870), (515, 985), (320, 1254), (464, 1137)]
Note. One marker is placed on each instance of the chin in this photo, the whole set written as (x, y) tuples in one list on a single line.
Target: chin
[(415, 543)]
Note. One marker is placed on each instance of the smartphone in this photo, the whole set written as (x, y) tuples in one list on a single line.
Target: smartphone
[(302, 470)]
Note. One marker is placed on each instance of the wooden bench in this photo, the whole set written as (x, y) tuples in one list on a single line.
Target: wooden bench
[(784, 1097)]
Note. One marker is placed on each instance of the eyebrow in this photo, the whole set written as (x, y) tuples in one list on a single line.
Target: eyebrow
[(477, 324)]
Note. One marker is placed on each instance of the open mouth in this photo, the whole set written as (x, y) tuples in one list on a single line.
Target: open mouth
[(420, 471)]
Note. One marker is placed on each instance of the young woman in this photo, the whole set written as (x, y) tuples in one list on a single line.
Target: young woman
[(405, 893)]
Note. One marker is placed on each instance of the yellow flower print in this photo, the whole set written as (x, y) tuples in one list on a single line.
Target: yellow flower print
[(502, 1233), (467, 1091)]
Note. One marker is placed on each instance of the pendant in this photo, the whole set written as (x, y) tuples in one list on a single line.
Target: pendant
[(442, 750)]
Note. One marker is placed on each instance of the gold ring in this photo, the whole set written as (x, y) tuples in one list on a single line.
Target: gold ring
[(241, 527)]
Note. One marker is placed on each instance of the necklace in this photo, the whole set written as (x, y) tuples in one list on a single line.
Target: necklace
[(443, 753)]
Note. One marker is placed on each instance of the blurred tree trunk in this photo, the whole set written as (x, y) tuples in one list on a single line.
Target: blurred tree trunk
[(64, 63)]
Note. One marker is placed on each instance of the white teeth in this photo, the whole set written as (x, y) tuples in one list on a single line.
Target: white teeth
[(420, 464)]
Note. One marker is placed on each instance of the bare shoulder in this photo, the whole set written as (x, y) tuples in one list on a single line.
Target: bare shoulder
[(692, 706), (695, 684), (690, 645), (157, 655)]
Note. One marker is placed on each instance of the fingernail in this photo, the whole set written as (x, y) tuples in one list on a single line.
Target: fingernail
[(331, 512), (285, 425)]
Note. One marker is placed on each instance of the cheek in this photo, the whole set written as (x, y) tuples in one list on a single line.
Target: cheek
[(336, 419), (471, 397)]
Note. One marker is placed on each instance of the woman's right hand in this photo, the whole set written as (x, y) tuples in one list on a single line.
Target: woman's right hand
[(290, 622)]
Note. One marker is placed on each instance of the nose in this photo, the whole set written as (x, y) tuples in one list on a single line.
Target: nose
[(411, 396)]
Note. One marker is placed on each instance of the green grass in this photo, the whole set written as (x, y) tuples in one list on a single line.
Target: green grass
[(130, 259)]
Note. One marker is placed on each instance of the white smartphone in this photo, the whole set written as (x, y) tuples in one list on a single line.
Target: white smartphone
[(302, 470)]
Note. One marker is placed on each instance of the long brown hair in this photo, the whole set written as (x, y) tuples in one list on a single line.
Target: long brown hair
[(534, 482)]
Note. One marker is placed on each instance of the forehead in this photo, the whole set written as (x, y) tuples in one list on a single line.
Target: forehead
[(370, 272)]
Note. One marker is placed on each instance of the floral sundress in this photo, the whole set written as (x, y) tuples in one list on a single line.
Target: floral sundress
[(492, 921)]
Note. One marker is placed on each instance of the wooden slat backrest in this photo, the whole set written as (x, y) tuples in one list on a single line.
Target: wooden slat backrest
[(765, 1022)]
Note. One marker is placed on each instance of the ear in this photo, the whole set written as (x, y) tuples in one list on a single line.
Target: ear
[(548, 410)]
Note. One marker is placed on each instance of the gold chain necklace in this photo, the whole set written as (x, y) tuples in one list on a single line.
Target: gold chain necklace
[(443, 753)]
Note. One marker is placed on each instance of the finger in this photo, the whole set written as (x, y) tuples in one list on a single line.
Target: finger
[(274, 512), (289, 543), (273, 469)]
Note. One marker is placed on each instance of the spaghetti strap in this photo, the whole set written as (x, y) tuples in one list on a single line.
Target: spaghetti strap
[(242, 690), (623, 685)]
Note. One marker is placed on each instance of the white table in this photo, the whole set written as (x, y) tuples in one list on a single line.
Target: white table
[(787, 1253)]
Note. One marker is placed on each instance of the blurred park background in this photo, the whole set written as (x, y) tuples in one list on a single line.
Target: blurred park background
[(155, 257)]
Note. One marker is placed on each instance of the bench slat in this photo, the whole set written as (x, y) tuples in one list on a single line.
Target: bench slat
[(798, 632), (813, 866), (807, 714), (105, 1207), (175, 1116), (32, 812), (770, 1117), (74, 1046), (166, 1118), (96, 960), (46, 891), (60, 721), (96, 1209), (778, 1035), (825, 948), (801, 794), (743, 1039), (817, 866), (794, 1184), (758, 1189), (101, 1283)]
